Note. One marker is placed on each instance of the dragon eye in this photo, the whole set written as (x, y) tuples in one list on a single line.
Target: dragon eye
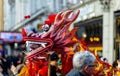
[(45, 27)]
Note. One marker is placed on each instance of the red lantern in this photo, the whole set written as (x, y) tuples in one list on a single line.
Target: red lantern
[(27, 16)]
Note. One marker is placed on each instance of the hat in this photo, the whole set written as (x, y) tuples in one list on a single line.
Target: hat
[(54, 57)]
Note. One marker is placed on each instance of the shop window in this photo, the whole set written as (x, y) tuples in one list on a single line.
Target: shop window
[(118, 26)]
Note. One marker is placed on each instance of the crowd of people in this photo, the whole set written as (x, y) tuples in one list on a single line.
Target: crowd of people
[(6, 61), (84, 64)]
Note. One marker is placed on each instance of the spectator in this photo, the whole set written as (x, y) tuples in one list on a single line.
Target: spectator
[(21, 69), (53, 64), (59, 68), (3, 65), (103, 59), (1, 70), (118, 68), (83, 64), (115, 67)]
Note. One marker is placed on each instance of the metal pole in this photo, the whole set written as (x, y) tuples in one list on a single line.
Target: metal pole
[(1, 15), (49, 64)]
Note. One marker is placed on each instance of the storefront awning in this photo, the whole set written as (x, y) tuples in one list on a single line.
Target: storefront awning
[(89, 21)]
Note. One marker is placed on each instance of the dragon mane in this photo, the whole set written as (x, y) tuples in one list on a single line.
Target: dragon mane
[(57, 37)]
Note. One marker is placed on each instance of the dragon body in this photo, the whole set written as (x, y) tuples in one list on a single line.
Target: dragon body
[(55, 39)]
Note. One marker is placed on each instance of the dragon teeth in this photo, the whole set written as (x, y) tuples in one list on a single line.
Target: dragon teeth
[(43, 45)]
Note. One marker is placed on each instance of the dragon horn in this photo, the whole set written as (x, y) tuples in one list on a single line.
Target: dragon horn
[(24, 33)]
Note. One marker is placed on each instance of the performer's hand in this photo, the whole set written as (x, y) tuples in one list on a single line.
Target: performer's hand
[(13, 69), (76, 47)]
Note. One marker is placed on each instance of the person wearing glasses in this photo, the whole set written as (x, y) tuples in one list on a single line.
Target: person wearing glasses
[(83, 64)]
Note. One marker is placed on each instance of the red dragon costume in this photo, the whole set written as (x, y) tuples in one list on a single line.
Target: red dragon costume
[(55, 39)]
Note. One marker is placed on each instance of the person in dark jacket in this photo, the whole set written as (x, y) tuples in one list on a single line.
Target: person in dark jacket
[(53, 64), (83, 64)]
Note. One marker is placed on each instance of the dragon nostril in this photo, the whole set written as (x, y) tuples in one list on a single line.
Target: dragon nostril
[(37, 35)]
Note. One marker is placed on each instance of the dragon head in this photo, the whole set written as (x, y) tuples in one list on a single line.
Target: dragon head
[(57, 37)]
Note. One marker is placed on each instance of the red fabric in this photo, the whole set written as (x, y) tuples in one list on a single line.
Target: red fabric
[(47, 22), (51, 19), (43, 71), (67, 64), (30, 70), (34, 67)]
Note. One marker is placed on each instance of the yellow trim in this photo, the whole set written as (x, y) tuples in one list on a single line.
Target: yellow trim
[(95, 48)]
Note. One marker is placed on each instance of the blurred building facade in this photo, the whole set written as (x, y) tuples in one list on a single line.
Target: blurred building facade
[(38, 10), (98, 19), (90, 22)]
